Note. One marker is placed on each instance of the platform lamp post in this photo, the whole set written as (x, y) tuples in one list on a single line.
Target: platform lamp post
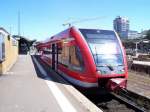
[(136, 47)]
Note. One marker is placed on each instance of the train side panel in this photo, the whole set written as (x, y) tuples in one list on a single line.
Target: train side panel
[(69, 54)]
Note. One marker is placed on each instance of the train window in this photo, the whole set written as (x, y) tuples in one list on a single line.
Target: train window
[(63, 55), (47, 51), (104, 47), (107, 53), (98, 34), (75, 58), (60, 48)]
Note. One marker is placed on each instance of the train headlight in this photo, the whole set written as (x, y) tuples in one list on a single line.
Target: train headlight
[(98, 71), (102, 72), (122, 70)]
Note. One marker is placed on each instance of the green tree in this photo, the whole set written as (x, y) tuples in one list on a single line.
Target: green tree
[(148, 35)]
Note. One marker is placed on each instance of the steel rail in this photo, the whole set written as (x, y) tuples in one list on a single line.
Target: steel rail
[(129, 102)]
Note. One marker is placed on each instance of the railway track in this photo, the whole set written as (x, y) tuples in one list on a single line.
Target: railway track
[(132, 106), (123, 101)]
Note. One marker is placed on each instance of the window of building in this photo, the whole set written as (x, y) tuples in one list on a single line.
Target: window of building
[(2, 48)]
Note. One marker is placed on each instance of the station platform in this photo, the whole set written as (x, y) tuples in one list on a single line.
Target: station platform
[(28, 88), (144, 63), (139, 84)]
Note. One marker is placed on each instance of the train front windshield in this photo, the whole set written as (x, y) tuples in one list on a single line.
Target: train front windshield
[(105, 49)]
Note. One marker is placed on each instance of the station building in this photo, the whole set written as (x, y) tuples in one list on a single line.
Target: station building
[(8, 51), (24, 44)]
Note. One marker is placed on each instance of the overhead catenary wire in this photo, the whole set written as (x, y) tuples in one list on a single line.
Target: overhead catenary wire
[(83, 20)]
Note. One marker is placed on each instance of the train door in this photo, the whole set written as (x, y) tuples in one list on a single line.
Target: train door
[(54, 56)]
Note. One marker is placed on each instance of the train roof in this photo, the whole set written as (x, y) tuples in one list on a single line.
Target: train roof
[(66, 33)]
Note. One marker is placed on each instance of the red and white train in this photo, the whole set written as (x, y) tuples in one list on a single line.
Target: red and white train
[(87, 57)]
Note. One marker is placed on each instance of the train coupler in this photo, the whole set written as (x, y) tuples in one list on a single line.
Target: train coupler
[(116, 84)]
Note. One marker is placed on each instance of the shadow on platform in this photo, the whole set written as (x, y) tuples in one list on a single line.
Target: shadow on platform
[(51, 74)]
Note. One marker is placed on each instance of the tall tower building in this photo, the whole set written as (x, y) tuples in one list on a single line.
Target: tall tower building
[(121, 26)]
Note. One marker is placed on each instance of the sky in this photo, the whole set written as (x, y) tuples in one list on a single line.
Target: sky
[(41, 19)]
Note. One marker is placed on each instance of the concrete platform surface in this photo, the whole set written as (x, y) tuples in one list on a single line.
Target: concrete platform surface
[(22, 90)]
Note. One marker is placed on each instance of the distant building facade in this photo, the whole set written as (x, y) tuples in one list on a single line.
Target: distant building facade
[(121, 26), (134, 34)]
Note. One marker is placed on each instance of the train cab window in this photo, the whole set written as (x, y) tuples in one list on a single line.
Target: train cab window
[(104, 46), (75, 58)]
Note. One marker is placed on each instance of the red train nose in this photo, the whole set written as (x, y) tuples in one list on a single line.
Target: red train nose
[(115, 84)]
